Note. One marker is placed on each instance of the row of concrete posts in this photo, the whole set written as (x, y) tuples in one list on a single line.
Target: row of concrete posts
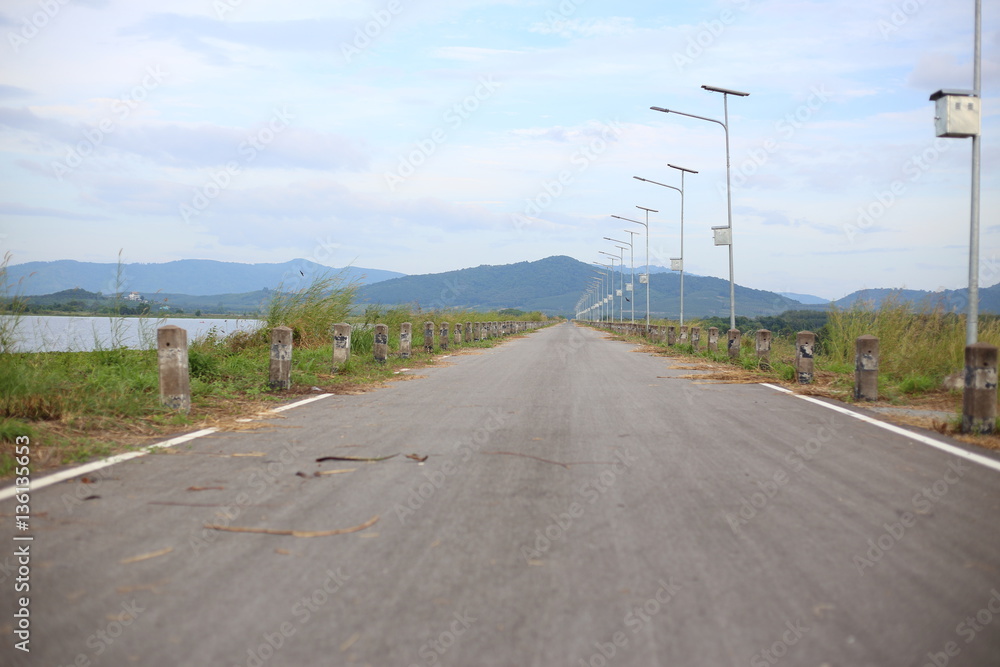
[(979, 398), (172, 351)]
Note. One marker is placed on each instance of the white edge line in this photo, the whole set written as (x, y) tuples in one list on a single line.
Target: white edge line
[(993, 464), (64, 475)]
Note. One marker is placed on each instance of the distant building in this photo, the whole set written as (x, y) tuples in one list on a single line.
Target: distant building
[(134, 296)]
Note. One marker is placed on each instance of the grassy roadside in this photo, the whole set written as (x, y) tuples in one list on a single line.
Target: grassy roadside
[(918, 350), (81, 405)]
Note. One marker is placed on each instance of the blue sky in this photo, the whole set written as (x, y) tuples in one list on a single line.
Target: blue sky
[(423, 135)]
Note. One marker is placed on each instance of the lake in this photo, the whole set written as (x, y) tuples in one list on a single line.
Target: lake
[(53, 333)]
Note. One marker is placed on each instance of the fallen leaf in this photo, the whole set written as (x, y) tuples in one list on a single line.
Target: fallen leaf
[(416, 457), (354, 458), (301, 474), (152, 554), (295, 533), (319, 473), (206, 488), (249, 454), (93, 497), (350, 641)]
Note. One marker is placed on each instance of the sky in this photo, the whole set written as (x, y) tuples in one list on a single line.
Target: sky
[(423, 136)]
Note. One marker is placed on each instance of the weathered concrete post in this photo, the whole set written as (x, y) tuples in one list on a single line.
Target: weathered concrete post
[(764, 348), (405, 338), (428, 336), (477, 331), (979, 400), (469, 337), (280, 370), (172, 358), (458, 333), (671, 335), (381, 347), (444, 336), (735, 341), (341, 344), (696, 338), (684, 334), (805, 341), (866, 368), (713, 339)]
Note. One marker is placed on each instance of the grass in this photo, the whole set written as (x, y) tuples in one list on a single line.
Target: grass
[(79, 405)]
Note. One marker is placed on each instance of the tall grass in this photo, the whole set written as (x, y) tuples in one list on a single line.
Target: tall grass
[(919, 347), (312, 311), (12, 308)]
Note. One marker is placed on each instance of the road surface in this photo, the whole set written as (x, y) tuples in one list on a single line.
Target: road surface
[(580, 505)]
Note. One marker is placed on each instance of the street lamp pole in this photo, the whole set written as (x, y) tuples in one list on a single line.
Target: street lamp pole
[(649, 278), (729, 191), (632, 263), (614, 290)]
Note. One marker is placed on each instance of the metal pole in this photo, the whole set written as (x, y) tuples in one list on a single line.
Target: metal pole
[(972, 322), (682, 247), (729, 207)]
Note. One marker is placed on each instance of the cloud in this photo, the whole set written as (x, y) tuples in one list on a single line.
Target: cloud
[(10, 208)]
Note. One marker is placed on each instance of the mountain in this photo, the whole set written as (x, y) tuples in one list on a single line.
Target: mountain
[(196, 277), (554, 285), (951, 300), (807, 299)]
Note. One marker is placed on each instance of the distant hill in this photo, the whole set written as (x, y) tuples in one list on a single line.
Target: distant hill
[(554, 285), (807, 299), (950, 300), (197, 277)]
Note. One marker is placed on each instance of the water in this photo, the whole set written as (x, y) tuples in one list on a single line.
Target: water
[(54, 333)]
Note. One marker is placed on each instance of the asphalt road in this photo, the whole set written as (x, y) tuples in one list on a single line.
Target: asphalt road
[(579, 505)]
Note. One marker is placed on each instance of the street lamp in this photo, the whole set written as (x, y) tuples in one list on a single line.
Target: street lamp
[(614, 290), (680, 190), (632, 264), (646, 225), (729, 192), (608, 284)]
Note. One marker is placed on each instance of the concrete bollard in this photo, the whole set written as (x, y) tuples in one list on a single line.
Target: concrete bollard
[(468, 333), (280, 370), (458, 333), (979, 400), (866, 368), (764, 348), (713, 339), (172, 358), (805, 342), (444, 336), (671, 335), (735, 340), (381, 347), (405, 339), (341, 344), (696, 338), (428, 336), (684, 334), (477, 331)]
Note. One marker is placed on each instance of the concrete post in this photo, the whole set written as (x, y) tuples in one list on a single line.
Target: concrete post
[(805, 341), (979, 400), (469, 335), (764, 348), (735, 340), (172, 358), (713, 339), (696, 337), (671, 335), (341, 344), (381, 347), (405, 338), (684, 334), (866, 368), (280, 370), (458, 333), (444, 336), (428, 336), (477, 331)]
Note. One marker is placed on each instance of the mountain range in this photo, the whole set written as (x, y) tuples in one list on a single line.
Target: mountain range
[(553, 285)]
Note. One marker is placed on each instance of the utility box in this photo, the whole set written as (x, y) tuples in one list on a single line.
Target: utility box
[(676, 264), (723, 235), (643, 278), (956, 113)]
